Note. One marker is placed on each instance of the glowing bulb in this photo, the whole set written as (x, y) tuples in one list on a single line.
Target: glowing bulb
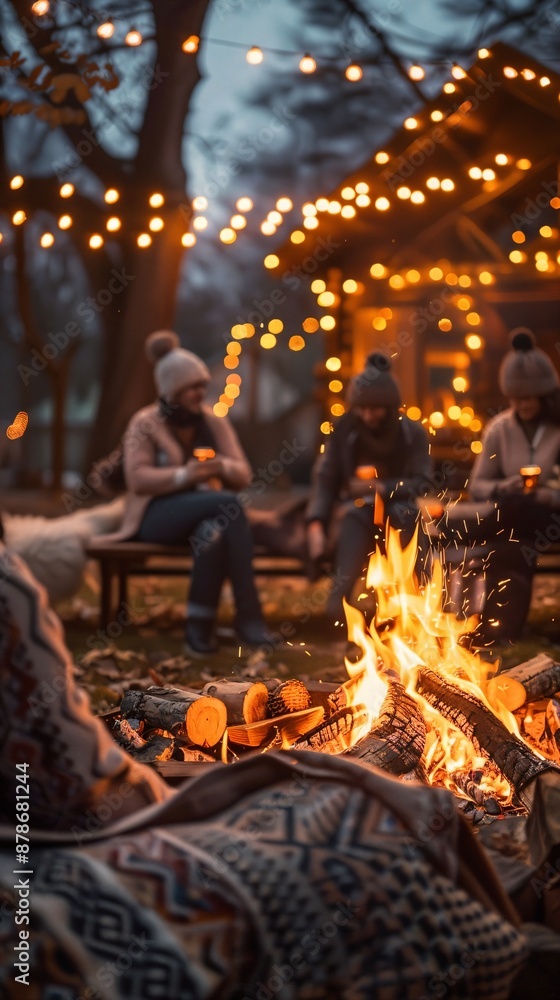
[(488, 174), (337, 409), (326, 299), (275, 326), (449, 88), (254, 55), (200, 203), (47, 240), (445, 324), (433, 183), (133, 38), (436, 419), (473, 342), (40, 7), (447, 184), (296, 343), (486, 278), (65, 222), (96, 241), (475, 173), (382, 204), (362, 187), (410, 123), (417, 197), (349, 286), (414, 413), (307, 64), (297, 236), (545, 231), (111, 196), (191, 44), (396, 281), (436, 116), (347, 211), (113, 223), (476, 447), (322, 204), (16, 182), (268, 228), (454, 412), (327, 322), (19, 217), (403, 192), (156, 200), (378, 271), (413, 276), (238, 222), (458, 73), (333, 364), (228, 235), (310, 209), (66, 190), (334, 207), (379, 323), (518, 236), (436, 273), (106, 29), (460, 383), (268, 341), (523, 163), (188, 239), (284, 204), (483, 53), (465, 281), (317, 286), (220, 409), (156, 224), (310, 222), (353, 73), (243, 204), (501, 159), (310, 325), (200, 223), (362, 201), (381, 157), (510, 72), (517, 256), (416, 73), (275, 218), (544, 81)]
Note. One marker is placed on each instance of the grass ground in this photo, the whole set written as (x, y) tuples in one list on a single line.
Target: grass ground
[(151, 637)]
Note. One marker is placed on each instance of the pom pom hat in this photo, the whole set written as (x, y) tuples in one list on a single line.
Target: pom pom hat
[(174, 367), (375, 386), (526, 370)]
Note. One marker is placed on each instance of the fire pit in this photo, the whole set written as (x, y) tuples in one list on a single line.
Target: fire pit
[(418, 702)]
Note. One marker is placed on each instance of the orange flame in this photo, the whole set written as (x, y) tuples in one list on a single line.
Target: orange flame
[(411, 630)]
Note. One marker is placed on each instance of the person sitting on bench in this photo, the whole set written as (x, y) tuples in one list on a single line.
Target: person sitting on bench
[(175, 498), (525, 436), (373, 449)]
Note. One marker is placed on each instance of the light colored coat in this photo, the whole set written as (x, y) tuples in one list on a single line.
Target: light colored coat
[(148, 438), (506, 450)]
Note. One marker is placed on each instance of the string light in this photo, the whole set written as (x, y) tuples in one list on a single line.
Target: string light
[(106, 29), (133, 38), (156, 200), (410, 123), (284, 204), (433, 183), (296, 343), (268, 228), (47, 240), (271, 261), (188, 239), (458, 73), (16, 182), (111, 196), (40, 7), (268, 341), (200, 223), (403, 192), (297, 236), (67, 190), (113, 224), (382, 204), (243, 204), (353, 73), (65, 222), (254, 56), (228, 235), (156, 224), (307, 64), (238, 222), (19, 217), (416, 73), (275, 218), (381, 156), (96, 241), (436, 116)]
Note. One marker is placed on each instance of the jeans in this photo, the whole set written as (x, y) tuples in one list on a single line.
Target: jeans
[(215, 526)]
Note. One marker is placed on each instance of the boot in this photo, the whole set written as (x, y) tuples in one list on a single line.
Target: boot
[(199, 637)]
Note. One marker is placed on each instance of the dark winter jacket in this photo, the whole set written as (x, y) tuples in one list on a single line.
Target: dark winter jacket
[(405, 472)]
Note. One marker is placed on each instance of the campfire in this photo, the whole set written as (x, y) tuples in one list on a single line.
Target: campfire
[(418, 702)]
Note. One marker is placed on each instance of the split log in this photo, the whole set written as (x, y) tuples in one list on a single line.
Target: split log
[(291, 726), (537, 678), (202, 719), (330, 736), (290, 696), (396, 740), (127, 735), (245, 701), (485, 731)]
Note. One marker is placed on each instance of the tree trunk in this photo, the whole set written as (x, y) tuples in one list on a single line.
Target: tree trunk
[(149, 300)]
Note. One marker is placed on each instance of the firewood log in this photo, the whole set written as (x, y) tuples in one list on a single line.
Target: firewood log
[(465, 781), (537, 678), (396, 740), (245, 701), (485, 731), (345, 694), (290, 696), (156, 748), (290, 725), (201, 718), (329, 736)]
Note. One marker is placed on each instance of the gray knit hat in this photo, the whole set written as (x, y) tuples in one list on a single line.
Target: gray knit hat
[(174, 367), (375, 386), (526, 370)]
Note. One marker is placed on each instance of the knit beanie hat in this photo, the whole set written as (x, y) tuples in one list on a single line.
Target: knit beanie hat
[(174, 367), (526, 370), (375, 386)]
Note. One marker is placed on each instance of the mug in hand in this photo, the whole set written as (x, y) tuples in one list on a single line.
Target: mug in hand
[(530, 474)]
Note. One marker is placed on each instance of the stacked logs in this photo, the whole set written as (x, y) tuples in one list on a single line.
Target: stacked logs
[(230, 717)]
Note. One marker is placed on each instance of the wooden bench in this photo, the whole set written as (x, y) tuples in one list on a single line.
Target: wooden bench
[(120, 560)]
